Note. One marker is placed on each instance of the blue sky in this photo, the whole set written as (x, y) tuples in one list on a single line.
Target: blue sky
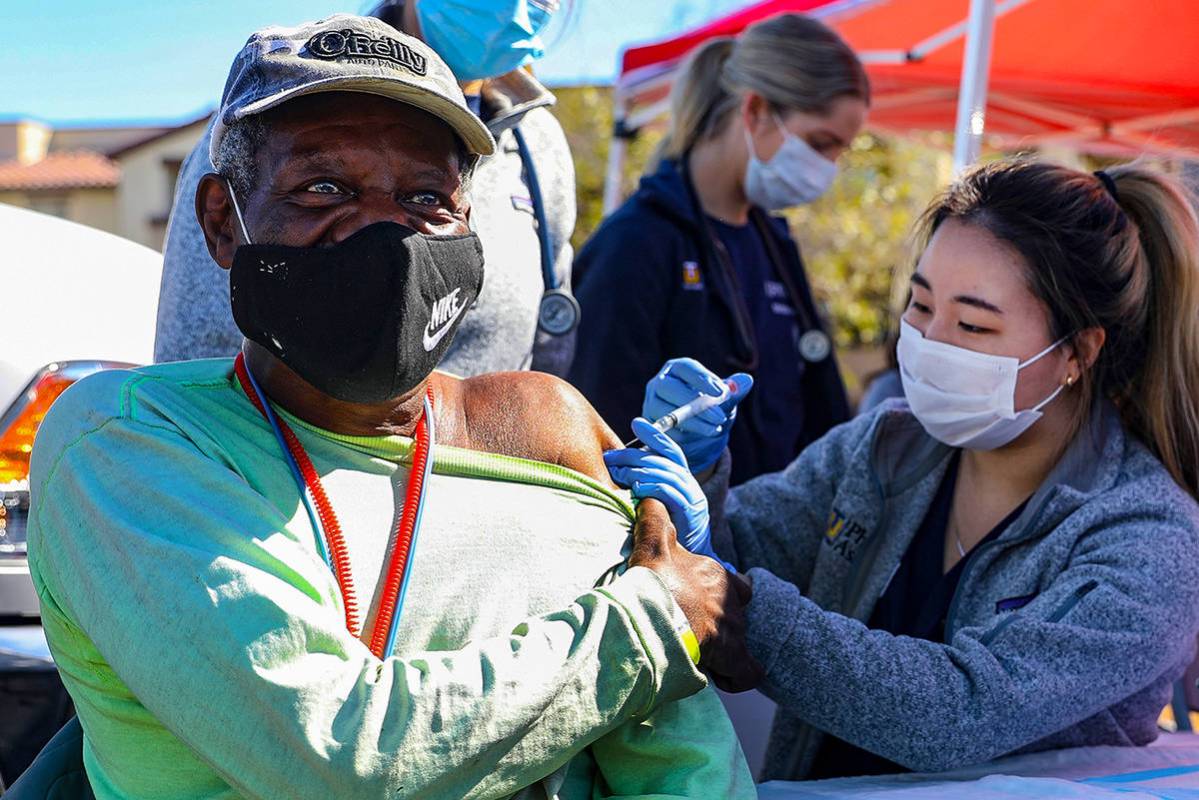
[(81, 61)]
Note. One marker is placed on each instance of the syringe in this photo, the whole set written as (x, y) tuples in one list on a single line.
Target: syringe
[(697, 406)]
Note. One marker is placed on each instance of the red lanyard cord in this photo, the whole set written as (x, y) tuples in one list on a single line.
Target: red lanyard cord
[(398, 564), (335, 541)]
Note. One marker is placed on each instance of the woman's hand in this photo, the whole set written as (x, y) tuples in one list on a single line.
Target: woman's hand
[(660, 472), (704, 436)]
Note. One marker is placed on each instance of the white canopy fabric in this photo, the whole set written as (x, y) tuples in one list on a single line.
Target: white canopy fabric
[(70, 292)]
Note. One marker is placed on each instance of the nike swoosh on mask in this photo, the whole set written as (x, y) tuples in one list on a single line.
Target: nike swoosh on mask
[(433, 338)]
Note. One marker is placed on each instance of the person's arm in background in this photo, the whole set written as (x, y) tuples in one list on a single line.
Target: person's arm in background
[(250, 640), (628, 269), (825, 401), (195, 319), (883, 386)]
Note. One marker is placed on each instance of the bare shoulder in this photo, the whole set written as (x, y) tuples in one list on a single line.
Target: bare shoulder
[(538, 416)]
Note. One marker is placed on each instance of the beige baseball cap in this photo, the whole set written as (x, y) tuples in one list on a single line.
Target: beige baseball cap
[(345, 53)]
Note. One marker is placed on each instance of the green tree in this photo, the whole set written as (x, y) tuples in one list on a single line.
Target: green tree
[(856, 238)]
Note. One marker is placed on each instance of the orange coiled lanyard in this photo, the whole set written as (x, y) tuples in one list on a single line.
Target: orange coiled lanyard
[(330, 541)]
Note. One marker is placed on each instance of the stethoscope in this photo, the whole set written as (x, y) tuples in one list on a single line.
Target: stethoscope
[(813, 343), (559, 311)]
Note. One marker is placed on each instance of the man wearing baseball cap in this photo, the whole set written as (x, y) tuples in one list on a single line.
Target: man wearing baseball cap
[(324, 569), (523, 202)]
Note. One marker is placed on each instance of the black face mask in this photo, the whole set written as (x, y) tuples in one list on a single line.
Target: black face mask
[(365, 320)]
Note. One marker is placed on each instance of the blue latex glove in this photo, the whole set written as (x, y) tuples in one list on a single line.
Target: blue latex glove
[(704, 436), (660, 471)]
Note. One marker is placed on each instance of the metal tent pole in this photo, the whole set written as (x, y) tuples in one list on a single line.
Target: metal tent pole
[(972, 95), (614, 174), (618, 150)]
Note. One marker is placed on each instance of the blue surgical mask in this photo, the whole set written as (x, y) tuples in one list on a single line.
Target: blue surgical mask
[(485, 38)]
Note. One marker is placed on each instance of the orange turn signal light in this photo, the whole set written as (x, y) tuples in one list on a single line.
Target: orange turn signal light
[(19, 424)]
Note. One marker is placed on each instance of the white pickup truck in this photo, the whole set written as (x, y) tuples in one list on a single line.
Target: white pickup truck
[(73, 300)]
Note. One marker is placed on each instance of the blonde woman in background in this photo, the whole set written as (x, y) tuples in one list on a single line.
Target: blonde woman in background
[(695, 265)]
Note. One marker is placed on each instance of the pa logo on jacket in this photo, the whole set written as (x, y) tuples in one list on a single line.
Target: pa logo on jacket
[(844, 535)]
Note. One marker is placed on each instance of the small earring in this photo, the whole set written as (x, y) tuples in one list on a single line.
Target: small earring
[(1070, 381)]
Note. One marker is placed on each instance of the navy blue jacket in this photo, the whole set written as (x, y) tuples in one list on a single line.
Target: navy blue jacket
[(652, 287)]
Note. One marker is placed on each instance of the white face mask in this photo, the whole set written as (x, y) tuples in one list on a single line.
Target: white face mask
[(794, 175), (965, 398)]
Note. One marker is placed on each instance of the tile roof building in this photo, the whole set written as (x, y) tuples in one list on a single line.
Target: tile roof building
[(117, 178), (72, 169)]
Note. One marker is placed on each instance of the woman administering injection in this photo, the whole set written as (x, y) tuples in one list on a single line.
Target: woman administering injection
[(1008, 561)]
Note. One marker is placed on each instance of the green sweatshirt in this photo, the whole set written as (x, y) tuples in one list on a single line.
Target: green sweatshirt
[(203, 640)]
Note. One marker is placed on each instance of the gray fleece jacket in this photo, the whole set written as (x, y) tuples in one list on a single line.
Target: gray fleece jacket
[(1066, 630), (499, 332)]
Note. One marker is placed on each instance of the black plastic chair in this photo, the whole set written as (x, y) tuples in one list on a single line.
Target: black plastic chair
[(57, 773)]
